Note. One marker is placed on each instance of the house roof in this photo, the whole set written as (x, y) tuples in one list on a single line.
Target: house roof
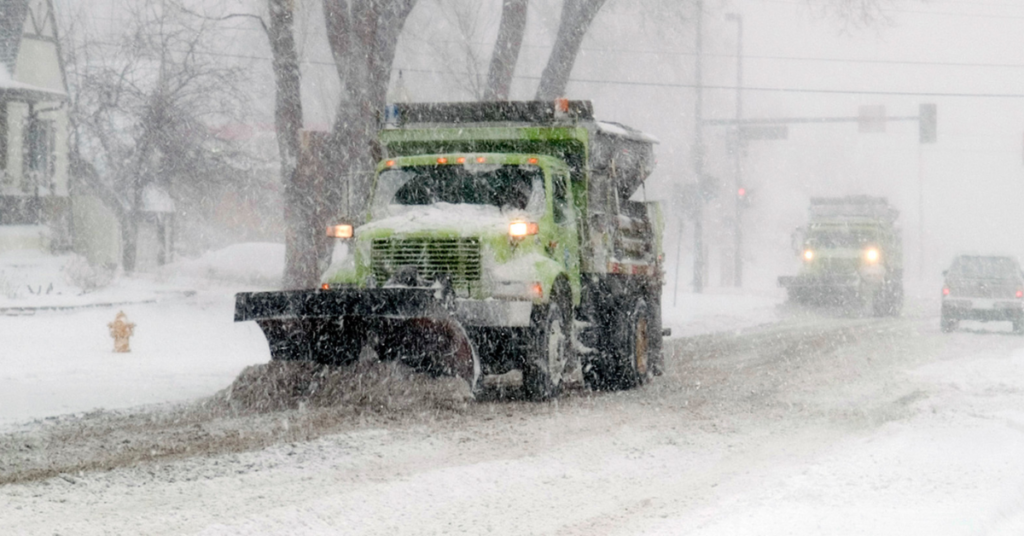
[(13, 14), (12, 25)]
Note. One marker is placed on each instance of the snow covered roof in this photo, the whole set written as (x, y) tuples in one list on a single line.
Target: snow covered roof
[(156, 199), (12, 89)]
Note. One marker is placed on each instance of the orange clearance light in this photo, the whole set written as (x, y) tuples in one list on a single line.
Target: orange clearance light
[(340, 231), (480, 160), (536, 290), (562, 105), (460, 160), (532, 161), (325, 286), (390, 163), (522, 229), (442, 160)]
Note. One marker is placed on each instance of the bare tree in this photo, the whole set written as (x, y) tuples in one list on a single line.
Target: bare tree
[(141, 111), (576, 18), (506, 49)]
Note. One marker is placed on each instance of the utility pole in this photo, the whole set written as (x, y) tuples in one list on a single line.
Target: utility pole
[(698, 161), (738, 152)]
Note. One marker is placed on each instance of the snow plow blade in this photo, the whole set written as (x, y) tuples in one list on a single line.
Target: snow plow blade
[(332, 326)]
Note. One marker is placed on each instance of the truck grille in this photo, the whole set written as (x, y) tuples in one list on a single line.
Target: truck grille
[(458, 257)]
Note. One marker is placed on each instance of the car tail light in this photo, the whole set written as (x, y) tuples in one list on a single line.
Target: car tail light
[(1020, 293), (945, 291)]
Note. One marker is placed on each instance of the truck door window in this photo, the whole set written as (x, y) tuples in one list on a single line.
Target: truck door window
[(561, 198)]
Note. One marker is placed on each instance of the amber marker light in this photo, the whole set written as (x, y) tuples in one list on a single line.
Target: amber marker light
[(536, 290), (480, 160), (532, 161), (340, 231), (808, 255), (389, 163), (442, 160), (522, 229), (326, 286), (460, 160)]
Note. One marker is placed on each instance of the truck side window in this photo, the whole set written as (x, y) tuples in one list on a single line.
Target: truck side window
[(561, 198)]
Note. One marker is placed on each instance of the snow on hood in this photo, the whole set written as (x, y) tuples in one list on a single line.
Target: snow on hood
[(463, 219)]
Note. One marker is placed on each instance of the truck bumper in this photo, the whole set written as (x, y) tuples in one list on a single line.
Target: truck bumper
[(383, 303)]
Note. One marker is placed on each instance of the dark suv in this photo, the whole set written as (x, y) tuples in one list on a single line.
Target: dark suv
[(983, 288)]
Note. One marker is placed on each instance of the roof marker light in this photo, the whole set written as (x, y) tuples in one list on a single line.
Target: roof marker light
[(390, 163), (460, 160), (480, 160), (532, 161), (442, 160)]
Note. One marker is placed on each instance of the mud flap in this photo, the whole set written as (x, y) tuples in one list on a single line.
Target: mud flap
[(448, 349)]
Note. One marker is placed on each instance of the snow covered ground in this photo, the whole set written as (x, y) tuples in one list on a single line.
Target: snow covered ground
[(888, 427)]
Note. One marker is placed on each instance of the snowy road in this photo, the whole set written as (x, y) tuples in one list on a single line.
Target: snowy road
[(856, 426)]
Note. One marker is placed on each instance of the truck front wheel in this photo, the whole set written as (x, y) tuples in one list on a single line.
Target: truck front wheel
[(549, 351)]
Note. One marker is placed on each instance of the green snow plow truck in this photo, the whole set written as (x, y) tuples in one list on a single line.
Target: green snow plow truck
[(499, 236), (851, 254)]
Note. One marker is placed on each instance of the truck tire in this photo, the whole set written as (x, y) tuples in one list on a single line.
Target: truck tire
[(634, 354), (654, 327), (549, 352)]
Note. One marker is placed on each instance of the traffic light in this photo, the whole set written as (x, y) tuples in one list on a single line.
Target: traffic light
[(928, 123), (743, 196)]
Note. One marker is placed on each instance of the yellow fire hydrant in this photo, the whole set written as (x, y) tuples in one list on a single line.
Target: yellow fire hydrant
[(121, 329)]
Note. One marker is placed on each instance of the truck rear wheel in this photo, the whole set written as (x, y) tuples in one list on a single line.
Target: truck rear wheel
[(635, 348), (549, 351)]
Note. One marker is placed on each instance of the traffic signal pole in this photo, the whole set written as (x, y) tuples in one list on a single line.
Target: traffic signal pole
[(738, 154), (698, 160)]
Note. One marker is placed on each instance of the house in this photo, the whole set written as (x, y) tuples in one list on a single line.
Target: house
[(35, 206)]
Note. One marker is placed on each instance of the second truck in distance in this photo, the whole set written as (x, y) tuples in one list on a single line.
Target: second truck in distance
[(851, 256)]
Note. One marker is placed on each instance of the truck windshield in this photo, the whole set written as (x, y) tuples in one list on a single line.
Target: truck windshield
[(508, 187), (985, 268), (841, 238)]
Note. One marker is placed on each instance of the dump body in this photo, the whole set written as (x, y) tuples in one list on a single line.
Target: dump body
[(851, 255), (513, 223)]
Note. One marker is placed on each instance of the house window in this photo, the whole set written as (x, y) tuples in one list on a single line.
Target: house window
[(40, 155)]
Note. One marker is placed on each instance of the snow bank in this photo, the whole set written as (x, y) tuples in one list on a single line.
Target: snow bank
[(255, 263)]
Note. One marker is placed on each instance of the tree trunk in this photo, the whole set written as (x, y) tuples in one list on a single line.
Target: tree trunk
[(363, 37), (576, 18), (299, 205), (506, 50)]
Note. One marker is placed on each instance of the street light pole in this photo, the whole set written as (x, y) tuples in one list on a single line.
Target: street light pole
[(737, 151), (698, 160)]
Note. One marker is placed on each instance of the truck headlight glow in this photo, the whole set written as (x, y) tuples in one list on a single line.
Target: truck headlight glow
[(808, 255), (872, 255), (522, 229), (340, 231)]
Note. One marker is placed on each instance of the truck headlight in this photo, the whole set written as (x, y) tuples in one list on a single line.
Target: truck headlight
[(522, 229), (808, 255), (872, 255), (340, 231)]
